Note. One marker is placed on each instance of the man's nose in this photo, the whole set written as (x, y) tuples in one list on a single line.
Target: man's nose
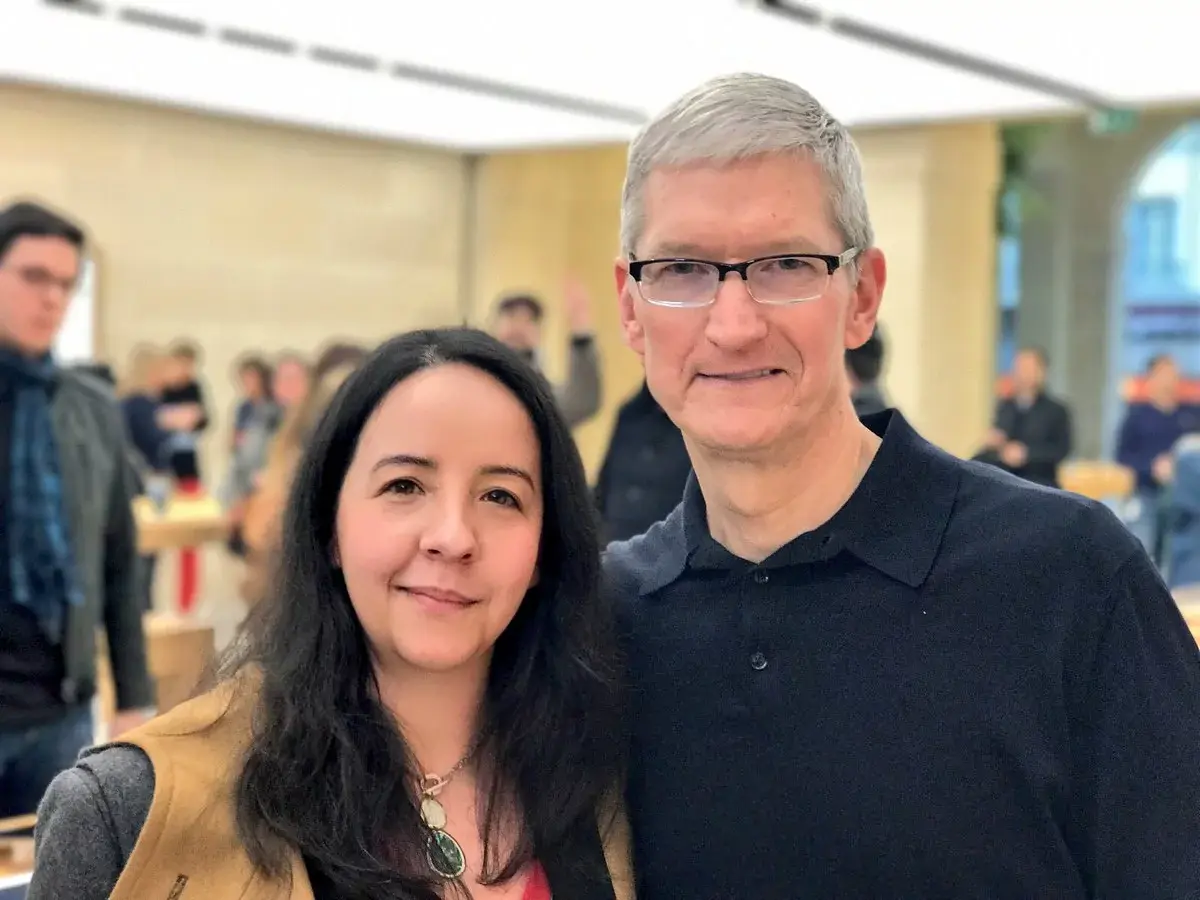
[(735, 319)]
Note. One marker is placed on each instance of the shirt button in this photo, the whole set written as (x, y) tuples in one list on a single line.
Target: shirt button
[(758, 661), (761, 577)]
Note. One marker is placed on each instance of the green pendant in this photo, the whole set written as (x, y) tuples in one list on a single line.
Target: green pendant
[(445, 855)]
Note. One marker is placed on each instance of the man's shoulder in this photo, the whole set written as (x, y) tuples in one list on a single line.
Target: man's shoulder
[(1000, 510), (89, 404), (648, 561), (1057, 403), (85, 386)]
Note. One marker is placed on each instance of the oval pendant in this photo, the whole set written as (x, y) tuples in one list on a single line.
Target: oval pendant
[(445, 856), (433, 813)]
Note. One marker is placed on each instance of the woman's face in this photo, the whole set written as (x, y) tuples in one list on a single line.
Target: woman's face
[(252, 384), (439, 519)]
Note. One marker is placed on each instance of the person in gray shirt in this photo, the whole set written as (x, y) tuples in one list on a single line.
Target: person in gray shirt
[(518, 323)]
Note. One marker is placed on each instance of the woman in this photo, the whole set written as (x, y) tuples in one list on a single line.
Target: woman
[(260, 516), (425, 707), (140, 392), (254, 393)]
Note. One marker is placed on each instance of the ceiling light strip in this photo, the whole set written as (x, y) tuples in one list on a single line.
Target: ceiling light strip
[(163, 22), (253, 40), (928, 51), (367, 64)]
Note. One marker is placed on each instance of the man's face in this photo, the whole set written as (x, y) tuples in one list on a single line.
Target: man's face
[(518, 329), (37, 280), (1163, 380), (740, 377), (1028, 372)]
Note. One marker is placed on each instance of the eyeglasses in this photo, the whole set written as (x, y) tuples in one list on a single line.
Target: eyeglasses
[(772, 280), (41, 279)]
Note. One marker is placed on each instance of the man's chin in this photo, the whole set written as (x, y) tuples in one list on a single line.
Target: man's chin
[(741, 433)]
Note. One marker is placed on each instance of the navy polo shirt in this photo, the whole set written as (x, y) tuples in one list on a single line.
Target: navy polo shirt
[(962, 686)]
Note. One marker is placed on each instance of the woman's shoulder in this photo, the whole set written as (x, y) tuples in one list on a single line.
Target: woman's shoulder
[(88, 823)]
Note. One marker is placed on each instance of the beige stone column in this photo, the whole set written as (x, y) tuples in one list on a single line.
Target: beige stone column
[(932, 193)]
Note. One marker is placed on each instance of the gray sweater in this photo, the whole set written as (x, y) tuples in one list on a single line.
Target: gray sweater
[(88, 823), (579, 396)]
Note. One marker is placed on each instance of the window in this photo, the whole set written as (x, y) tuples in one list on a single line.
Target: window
[(1151, 233)]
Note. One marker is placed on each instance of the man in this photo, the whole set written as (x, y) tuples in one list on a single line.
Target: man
[(68, 547), (859, 666), (644, 469), (518, 323), (864, 365), (1146, 443), (1031, 436)]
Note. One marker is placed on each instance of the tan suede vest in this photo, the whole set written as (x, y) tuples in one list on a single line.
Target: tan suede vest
[(189, 849)]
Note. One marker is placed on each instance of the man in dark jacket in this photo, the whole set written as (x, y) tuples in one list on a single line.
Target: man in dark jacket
[(864, 365), (1031, 436), (68, 545), (644, 470)]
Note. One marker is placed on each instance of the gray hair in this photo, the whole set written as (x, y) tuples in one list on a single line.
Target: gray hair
[(737, 117)]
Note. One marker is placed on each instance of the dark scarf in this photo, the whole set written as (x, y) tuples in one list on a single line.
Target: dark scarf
[(41, 565)]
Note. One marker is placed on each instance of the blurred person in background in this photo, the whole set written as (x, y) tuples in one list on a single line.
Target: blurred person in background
[(1181, 551), (860, 667), (284, 388), (254, 396), (644, 469), (140, 391), (264, 506), (864, 366), (1147, 436), (518, 323), (437, 609), (184, 413), (68, 543), (1031, 434)]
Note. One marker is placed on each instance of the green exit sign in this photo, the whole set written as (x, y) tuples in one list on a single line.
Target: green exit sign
[(1112, 121)]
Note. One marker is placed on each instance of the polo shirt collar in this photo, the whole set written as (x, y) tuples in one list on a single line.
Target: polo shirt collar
[(894, 521)]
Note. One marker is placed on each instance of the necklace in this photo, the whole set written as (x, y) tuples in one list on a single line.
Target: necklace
[(444, 853)]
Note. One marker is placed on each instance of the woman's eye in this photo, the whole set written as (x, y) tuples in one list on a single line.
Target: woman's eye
[(402, 486), (504, 498)]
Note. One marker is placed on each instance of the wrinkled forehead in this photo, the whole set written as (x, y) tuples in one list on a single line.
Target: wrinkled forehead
[(748, 208)]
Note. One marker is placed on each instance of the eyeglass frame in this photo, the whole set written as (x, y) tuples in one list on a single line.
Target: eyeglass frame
[(833, 262), (39, 278)]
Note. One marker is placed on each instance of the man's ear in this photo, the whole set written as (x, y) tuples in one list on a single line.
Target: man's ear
[(631, 328), (866, 298)]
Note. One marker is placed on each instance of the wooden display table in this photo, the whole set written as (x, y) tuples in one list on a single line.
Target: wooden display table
[(186, 522), (16, 853), (178, 651)]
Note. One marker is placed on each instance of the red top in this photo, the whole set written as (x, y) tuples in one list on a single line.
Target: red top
[(537, 887)]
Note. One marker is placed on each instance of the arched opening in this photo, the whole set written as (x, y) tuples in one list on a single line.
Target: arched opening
[(1156, 303)]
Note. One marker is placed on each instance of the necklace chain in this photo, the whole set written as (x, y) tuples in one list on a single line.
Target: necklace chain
[(432, 783)]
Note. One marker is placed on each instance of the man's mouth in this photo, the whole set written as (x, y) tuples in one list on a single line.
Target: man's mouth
[(745, 375)]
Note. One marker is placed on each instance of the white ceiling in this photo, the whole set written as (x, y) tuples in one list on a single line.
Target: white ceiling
[(634, 55), (1132, 53)]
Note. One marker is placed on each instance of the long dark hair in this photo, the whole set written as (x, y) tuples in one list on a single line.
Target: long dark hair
[(327, 772)]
